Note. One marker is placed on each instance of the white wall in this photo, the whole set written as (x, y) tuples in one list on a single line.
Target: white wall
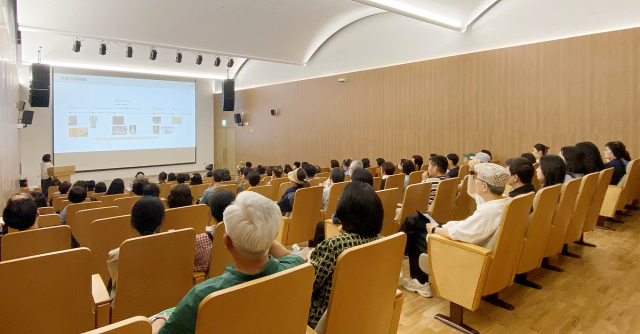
[(37, 140), (390, 39)]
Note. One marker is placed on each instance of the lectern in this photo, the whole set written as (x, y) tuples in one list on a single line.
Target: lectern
[(62, 173)]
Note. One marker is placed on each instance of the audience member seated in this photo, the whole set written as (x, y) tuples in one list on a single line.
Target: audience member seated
[(417, 161), (387, 169), (401, 163), (146, 217), (592, 158), (138, 187), (253, 178), (482, 156), (261, 170), (218, 176), (574, 161), (20, 213), (318, 169), (379, 161), (408, 167), (529, 156), (179, 196), (355, 164), (248, 164), (467, 157), (162, 178), (243, 179), (251, 225), (539, 150), (361, 214), (336, 176), (298, 181), (171, 177), (101, 187), (487, 152), (366, 163), (116, 187), (613, 153), (76, 195), (310, 170), (452, 165), (40, 199), (209, 169), (217, 203), (436, 172), (227, 174), (277, 173), (478, 229), (151, 189), (287, 169), (81, 183), (521, 171), (196, 179), (334, 164), (345, 166), (552, 170), (362, 175), (63, 189), (139, 177), (270, 171), (182, 178), (91, 185)]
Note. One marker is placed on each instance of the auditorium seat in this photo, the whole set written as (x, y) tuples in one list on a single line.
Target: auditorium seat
[(335, 191), (107, 234), (48, 220), (35, 242), (415, 177), (57, 199), (367, 303), (231, 187), (165, 189), (324, 174), (390, 199), (347, 178), (46, 210), (81, 224), (276, 184), (301, 225), (317, 181), (197, 191), (98, 196), (107, 200), (197, 217), (537, 233), (274, 304), (463, 171), (325, 169), (133, 325), (599, 193), (283, 188), (416, 197), (266, 191), (377, 183), (561, 220), (580, 211), (72, 210), (52, 292), (52, 190), (394, 181), (617, 196), (220, 255), (246, 186), (266, 179), (125, 204), (462, 273), (443, 207), (154, 273), (372, 170), (465, 204), (64, 203)]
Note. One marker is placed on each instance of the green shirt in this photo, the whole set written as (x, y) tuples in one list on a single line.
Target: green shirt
[(183, 319)]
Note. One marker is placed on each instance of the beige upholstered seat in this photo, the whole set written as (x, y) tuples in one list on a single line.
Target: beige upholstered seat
[(231, 187), (618, 196), (197, 191), (301, 225), (107, 200), (580, 211), (220, 256), (416, 197), (389, 198), (465, 204), (125, 204), (165, 189), (372, 170), (561, 220), (463, 171), (266, 191), (35, 242), (394, 181), (46, 210), (107, 234), (283, 188), (335, 192), (81, 224), (274, 304), (377, 183), (48, 220), (415, 177), (317, 181), (443, 207), (134, 325), (191, 216), (596, 203)]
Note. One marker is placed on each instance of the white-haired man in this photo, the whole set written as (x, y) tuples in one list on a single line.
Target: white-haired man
[(354, 165), (251, 226)]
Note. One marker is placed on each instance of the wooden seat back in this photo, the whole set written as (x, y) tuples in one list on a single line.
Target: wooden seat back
[(539, 228), (196, 217), (335, 192), (365, 303), (57, 199), (80, 226), (266, 191), (562, 217), (389, 199), (324, 174), (107, 234), (107, 200), (377, 183), (630, 189), (325, 169), (347, 178), (133, 325), (465, 204), (197, 191), (394, 181), (581, 207), (48, 220), (463, 171), (220, 255), (35, 242), (231, 187), (165, 189), (154, 273), (415, 177), (604, 178), (283, 189), (98, 196), (48, 293), (372, 170), (51, 191), (416, 197), (443, 207), (65, 203), (72, 210), (317, 181), (47, 210), (304, 216), (276, 184), (125, 204), (220, 312)]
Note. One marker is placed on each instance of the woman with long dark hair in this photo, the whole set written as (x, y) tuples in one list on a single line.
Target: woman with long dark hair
[(552, 170), (592, 159), (614, 152), (116, 187), (574, 159), (540, 150)]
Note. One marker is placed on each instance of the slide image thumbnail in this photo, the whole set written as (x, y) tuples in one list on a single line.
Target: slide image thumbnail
[(156, 130), (118, 120), (73, 120), (157, 120), (132, 129), (167, 130), (176, 120), (78, 132), (93, 119), (119, 130)]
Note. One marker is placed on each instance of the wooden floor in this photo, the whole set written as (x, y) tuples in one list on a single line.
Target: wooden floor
[(599, 293)]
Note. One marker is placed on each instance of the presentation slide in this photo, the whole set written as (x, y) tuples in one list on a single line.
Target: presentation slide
[(130, 121)]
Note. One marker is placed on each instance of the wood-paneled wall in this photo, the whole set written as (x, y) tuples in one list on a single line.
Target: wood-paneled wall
[(557, 92)]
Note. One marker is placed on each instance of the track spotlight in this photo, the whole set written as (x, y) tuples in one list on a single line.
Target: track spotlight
[(102, 50), (129, 51), (216, 62), (198, 59), (230, 63), (178, 57), (76, 45), (153, 54)]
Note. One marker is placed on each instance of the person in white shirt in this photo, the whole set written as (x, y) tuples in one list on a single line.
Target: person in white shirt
[(336, 176), (45, 179), (479, 229)]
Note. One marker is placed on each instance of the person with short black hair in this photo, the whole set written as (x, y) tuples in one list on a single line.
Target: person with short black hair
[(417, 161), (310, 170), (253, 178), (521, 171), (101, 187), (196, 179), (151, 189), (552, 170), (162, 177), (298, 181), (270, 171), (116, 187), (91, 185), (218, 178), (613, 153), (539, 150), (64, 187), (261, 170), (436, 172), (362, 175), (574, 159), (386, 169), (139, 177), (361, 213), (40, 199), (379, 161), (242, 180), (453, 160), (296, 164), (366, 163), (530, 157), (334, 164), (21, 212), (346, 163), (287, 169), (335, 176), (248, 164), (182, 178), (171, 177), (81, 183), (76, 195), (179, 196), (277, 172), (227, 174), (138, 187)]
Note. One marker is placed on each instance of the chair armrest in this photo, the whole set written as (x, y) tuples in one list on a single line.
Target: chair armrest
[(610, 203), (331, 229), (283, 233), (101, 300), (458, 269), (397, 311), (198, 277), (310, 331)]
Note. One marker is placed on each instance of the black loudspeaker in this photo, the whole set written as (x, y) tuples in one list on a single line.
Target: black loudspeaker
[(27, 117), (228, 95), (39, 88), (238, 119)]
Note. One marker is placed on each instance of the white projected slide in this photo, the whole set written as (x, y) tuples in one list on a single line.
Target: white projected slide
[(132, 122)]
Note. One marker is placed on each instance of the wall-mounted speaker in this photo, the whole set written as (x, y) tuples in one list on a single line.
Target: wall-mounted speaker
[(238, 119), (40, 83), (228, 95), (274, 112), (27, 117)]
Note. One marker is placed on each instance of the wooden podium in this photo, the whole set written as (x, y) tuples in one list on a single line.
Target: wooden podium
[(62, 173)]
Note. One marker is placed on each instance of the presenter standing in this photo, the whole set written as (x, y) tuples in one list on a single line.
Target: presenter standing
[(45, 179)]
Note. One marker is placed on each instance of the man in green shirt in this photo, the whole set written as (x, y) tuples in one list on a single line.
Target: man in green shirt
[(251, 225)]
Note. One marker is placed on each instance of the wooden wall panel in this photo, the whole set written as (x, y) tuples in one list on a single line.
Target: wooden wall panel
[(506, 100)]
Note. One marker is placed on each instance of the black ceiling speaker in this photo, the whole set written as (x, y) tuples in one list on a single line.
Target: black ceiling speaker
[(102, 49), (27, 117), (228, 95), (198, 59), (153, 54), (238, 119), (230, 63), (216, 62), (40, 83), (129, 51), (178, 57), (76, 45)]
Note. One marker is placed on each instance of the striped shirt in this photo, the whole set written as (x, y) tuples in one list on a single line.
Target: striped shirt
[(434, 186)]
